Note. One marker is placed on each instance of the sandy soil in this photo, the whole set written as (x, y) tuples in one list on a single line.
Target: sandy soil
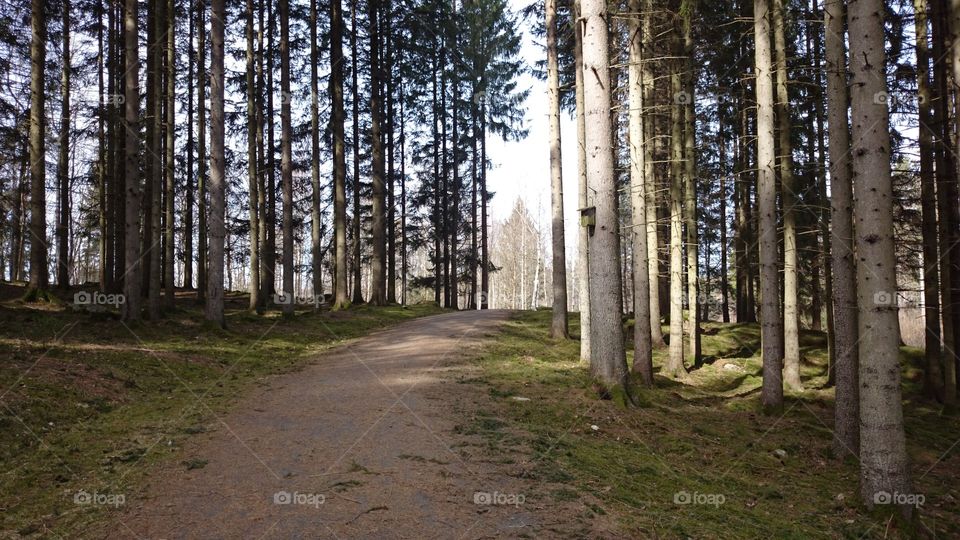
[(363, 443)]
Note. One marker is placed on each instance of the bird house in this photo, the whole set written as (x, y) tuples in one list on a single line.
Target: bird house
[(588, 217)]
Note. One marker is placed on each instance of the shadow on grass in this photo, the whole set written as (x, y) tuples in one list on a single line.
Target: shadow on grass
[(706, 435)]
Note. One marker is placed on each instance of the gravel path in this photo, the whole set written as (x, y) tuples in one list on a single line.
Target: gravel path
[(363, 443)]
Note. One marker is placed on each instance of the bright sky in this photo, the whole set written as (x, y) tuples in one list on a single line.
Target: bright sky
[(522, 169)]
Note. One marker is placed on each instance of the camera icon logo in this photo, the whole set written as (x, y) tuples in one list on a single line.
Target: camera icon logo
[(82, 497), (884, 298), (282, 298), (882, 497), (282, 497), (82, 298), (681, 497), (482, 497)]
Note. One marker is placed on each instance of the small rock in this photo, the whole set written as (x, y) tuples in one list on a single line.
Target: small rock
[(595, 427), (780, 453), (840, 497), (519, 398), (732, 367)]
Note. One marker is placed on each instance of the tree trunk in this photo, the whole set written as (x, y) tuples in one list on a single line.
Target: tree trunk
[(252, 179), (846, 434), (266, 270), (202, 232), (315, 230), (558, 326), (791, 316), (453, 225), (583, 272), (932, 382), (118, 172), (188, 188), (883, 457), (63, 160), (484, 249), (950, 210), (444, 182), (608, 360), (38, 204), (740, 229), (650, 178), (378, 208), (132, 274), (474, 204), (154, 161), (824, 203), (945, 177), (340, 299), (105, 273), (403, 204), (642, 345), (19, 207), (724, 288), (286, 158), (270, 253), (690, 184), (357, 271), (390, 178), (771, 323), (673, 367), (214, 305), (169, 189), (436, 220)]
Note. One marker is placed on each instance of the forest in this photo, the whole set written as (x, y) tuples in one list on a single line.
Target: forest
[(254, 249)]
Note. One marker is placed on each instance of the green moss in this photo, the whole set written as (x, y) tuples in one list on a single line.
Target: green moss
[(90, 403), (704, 438)]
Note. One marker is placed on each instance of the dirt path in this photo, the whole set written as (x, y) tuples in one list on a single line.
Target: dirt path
[(362, 443)]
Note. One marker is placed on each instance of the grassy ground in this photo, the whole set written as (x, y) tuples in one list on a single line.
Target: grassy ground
[(698, 459), (88, 402)]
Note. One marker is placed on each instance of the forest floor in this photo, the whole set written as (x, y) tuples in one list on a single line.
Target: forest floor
[(90, 405), (697, 458), (470, 424)]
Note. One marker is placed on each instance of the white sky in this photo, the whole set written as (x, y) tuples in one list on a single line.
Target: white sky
[(522, 169)]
